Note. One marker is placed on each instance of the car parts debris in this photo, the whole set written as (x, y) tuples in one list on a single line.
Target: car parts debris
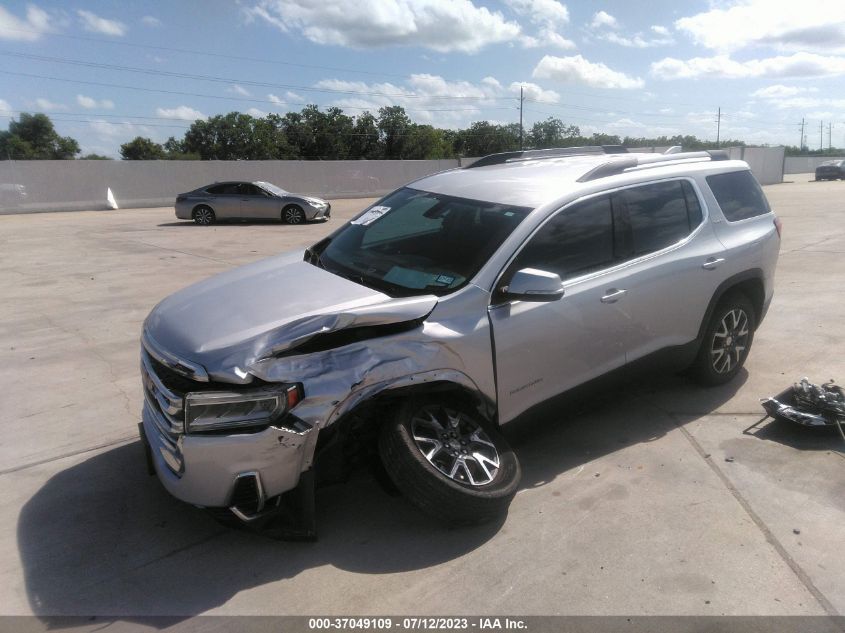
[(809, 404)]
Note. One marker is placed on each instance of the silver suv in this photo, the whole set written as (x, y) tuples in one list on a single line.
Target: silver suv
[(443, 312)]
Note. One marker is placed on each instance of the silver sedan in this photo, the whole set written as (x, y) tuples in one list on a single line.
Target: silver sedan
[(240, 200)]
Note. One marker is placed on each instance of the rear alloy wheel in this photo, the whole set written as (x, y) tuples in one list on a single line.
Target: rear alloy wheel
[(727, 340), (292, 214), (204, 216), (447, 462)]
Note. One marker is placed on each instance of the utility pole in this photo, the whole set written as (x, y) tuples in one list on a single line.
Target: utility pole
[(821, 136), (521, 100), (829, 132), (801, 144), (718, 125)]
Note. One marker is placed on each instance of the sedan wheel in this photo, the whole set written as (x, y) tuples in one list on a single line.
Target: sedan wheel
[(292, 214), (204, 216)]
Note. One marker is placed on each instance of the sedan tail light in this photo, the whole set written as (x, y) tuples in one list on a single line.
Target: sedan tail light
[(181, 198)]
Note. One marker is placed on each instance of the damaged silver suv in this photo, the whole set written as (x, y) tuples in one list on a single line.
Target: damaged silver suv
[(444, 311)]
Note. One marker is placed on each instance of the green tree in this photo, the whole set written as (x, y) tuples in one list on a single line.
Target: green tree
[(426, 142), (141, 148), (33, 137), (93, 156), (364, 141), (483, 137), (236, 136), (393, 125), (552, 133)]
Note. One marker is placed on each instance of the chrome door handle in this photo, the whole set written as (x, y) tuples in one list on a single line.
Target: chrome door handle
[(612, 295), (712, 262)]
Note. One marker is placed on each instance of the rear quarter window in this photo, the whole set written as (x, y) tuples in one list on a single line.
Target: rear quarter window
[(739, 195)]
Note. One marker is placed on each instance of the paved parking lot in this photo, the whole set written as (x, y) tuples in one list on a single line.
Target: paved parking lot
[(647, 499)]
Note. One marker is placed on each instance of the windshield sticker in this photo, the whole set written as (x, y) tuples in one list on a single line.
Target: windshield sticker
[(409, 278), (373, 214), (444, 280)]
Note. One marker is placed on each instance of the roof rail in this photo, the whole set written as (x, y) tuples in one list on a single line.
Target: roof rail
[(554, 152), (617, 166)]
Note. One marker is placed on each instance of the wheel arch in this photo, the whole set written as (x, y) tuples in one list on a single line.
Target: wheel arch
[(201, 204), (362, 413), (750, 283)]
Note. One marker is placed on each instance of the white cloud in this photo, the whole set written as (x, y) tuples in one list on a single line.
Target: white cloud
[(441, 25), (605, 27), (576, 69), (535, 92), (90, 103), (181, 112), (421, 96), (95, 24), (636, 40), (240, 90), (809, 25), (541, 11), (150, 20), (292, 96), (722, 66), (604, 19), (277, 100), (46, 104), (36, 23), (5, 109), (547, 37), (259, 114), (779, 91)]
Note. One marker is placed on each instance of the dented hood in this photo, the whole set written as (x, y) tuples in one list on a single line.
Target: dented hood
[(230, 321)]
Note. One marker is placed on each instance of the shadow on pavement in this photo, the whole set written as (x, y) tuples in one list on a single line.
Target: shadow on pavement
[(104, 538)]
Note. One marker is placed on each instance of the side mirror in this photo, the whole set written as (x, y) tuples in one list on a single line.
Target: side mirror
[(530, 284)]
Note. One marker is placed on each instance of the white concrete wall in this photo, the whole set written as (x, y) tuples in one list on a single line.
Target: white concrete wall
[(806, 164), (767, 163), (67, 185)]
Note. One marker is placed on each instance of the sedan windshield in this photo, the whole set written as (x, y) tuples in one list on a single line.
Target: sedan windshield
[(415, 242), (272, 188)]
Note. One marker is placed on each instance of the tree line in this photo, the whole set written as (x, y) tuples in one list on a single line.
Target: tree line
[(314, 134)]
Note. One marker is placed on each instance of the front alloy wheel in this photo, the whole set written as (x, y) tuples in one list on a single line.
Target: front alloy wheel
[(447, 461), (455, 445)]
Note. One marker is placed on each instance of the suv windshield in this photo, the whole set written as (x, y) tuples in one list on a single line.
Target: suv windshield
[(417, 242)]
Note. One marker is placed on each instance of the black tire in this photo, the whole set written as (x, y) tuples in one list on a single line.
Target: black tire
[(204, 216), (431, 489), (293, 214), (731, 332)]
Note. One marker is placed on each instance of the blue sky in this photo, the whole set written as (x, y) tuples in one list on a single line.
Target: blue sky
[(108, 71)]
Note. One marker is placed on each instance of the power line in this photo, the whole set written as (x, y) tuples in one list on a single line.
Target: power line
[(240, 81), (218, 55), (224, 97)]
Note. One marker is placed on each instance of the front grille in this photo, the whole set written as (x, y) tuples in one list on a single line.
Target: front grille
[(164, 396)]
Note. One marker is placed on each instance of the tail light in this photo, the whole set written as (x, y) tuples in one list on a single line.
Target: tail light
[(181, 198), (778, 226)]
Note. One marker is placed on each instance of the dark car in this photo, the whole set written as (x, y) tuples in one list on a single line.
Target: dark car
[(831, 170), (249, 201)]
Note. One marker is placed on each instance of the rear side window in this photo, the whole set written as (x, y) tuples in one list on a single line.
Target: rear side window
[(575, 242), (658, 215), (739, 195), (231, 188)]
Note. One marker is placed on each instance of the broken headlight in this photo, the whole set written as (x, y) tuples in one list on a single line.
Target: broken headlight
[(207, 411)]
